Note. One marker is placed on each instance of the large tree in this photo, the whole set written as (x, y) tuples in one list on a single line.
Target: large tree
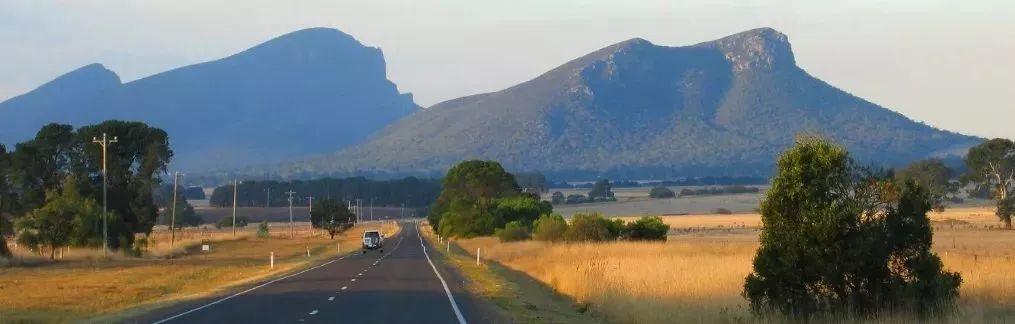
[(992, 165), (42, 163), (933, 175), (59, 222), (839, 239), (331, 215), (134, 165), (6, 200), (469, 192)]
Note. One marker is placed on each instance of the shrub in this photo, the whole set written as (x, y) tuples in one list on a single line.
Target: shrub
[(557, 198), (592, 227), (550, 227), (647, 229), (723, 211), (575, 199), (661, 192), (513, 231), (262, 229)]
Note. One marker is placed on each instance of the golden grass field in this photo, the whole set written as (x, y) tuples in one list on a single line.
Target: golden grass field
[(85, 285), (698, 274)]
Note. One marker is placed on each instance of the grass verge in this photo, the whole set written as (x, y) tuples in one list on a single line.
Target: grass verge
[(518, 297), (106, 289)]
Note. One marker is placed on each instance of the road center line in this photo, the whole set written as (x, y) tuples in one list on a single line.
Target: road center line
[(246, 291)]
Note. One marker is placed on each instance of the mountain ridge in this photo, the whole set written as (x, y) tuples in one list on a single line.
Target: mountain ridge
[(253, 107), (636, 109)]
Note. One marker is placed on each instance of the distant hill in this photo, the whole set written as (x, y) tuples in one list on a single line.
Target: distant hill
[(308, 92), (639, 110)]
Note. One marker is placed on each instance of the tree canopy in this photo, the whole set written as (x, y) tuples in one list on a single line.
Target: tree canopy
[(931, 174), (840, 239), (992, 166)]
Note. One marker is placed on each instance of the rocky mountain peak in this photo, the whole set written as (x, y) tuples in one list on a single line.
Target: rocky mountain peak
[(88, 78), (761, 48)]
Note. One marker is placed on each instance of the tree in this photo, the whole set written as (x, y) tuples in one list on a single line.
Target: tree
[(467, 199), (6, 200), (134, 163), (331, 215), (601, 190), (523, 208), (557, 198), (840, 239), (647, 229), (931, 174), (56, 223), (550, 227), (661, 192), (227, 222), (42, 164), (992, 165), (186, 216), (532, 182)]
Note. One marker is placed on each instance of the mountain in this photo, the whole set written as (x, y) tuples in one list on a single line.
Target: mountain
[(635, 109), (308, 92)]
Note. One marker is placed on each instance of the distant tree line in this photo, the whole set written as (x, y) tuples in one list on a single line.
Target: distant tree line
[(51, 185), (688, 181), (411, 191), (725, 190)]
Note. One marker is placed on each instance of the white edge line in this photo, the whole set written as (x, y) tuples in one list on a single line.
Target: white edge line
[(245, 291), (454, 306)]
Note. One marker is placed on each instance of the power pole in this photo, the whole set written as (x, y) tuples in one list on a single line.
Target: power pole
[(292, 229), (311, 212), (172, 222), (105, 183), (372, 207), (235, 190), (267, 199)]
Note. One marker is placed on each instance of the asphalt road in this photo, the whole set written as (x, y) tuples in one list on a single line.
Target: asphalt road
[(401, 285)]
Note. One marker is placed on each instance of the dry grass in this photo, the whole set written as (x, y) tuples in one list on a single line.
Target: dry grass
[(83, 285), (698, 274)]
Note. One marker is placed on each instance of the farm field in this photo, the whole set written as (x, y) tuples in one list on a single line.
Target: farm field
[(698, 274), (86, 285)]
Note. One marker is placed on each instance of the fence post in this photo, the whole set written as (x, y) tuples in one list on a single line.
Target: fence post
[(272, 260), (449, 246), (308, 251), (477, 256)]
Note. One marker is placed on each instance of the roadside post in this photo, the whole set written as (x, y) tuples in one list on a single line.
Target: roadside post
[(272, 260), (477, 256)]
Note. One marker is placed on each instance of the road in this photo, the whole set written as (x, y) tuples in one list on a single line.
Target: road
[(402, 285)]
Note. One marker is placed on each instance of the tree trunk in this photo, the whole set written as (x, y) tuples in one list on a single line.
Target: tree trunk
[(1007, 222), (52, 251)]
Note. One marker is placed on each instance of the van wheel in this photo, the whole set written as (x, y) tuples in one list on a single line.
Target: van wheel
[(364, 251)]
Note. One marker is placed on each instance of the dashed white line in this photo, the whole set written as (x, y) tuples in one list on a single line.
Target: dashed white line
[(345, 287), (313, 312), (331, 298), (353, 279)]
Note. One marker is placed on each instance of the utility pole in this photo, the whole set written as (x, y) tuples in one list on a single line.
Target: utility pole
[(292, 229), (311, 212), (172, 222), (267, 199), (105, 183), (372, 207), (235, 190)]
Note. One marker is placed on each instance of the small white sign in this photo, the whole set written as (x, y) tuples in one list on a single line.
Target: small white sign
[(205, 247)]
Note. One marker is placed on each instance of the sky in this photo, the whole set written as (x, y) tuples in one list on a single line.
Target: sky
[(950, 64)]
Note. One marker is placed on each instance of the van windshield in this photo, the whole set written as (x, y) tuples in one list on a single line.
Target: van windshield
[(371, 235)]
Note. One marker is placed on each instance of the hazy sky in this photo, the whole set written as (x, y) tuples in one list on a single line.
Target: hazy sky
[(950, 64)]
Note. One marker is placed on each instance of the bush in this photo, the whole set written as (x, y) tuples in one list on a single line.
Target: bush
[(513, 231), (723, 211), (550, 227), (262, 229), (647, 229), (557, 198), (241, 221), (592, 227), (661, 192), (575, 199)]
